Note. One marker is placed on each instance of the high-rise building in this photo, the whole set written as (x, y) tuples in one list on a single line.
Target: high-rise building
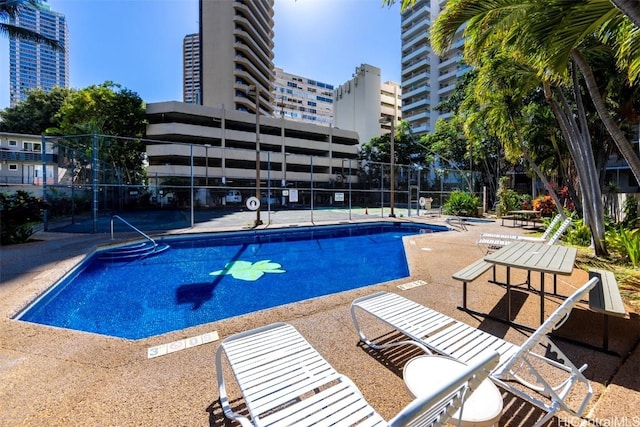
[(390, 104), (35, 65), (236, 54), (302, 99), (366, 105), (191, 69), (427, 79)]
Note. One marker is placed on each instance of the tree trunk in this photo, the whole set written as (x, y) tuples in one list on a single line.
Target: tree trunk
[(625, 147), (538, 171), (578, 140), (631, 8)]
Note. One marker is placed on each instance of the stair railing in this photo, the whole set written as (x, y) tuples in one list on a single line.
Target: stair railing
[(114, 217), (456, 222)]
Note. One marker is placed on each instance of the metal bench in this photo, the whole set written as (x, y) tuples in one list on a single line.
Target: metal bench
[(514, 218), (471, 273), (605, 298)]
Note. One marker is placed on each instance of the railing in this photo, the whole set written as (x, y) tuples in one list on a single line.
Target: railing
[(26, 156), (114, 217), (456, 222)]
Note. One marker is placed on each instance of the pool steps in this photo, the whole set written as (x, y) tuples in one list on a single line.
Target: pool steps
[(134, 251)]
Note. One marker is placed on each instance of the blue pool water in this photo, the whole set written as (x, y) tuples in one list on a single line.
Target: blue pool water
[(216, 276)]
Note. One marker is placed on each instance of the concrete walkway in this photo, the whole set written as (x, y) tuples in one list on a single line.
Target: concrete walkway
[(58, 377)]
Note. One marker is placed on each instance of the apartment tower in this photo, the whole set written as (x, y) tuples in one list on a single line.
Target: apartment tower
[(427, 79), (35, 65), (236, 54), (366, 105), (302, 99), (390, 104), (191, 69)]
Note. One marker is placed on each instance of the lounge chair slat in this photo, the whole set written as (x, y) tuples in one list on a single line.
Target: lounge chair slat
[(466, 344), (290, 383)]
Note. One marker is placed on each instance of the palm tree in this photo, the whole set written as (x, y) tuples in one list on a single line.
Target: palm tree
[(513, 29), (550, 34), (631, 8), (9, 11), (499, 99)]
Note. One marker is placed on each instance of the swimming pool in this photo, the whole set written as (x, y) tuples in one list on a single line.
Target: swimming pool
[(210, 277)]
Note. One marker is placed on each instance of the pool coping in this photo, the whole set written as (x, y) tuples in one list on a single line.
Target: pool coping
[(55, 376)]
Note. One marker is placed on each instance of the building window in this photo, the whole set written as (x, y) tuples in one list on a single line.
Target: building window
[(13, 143), (13, 167), (32, 146)]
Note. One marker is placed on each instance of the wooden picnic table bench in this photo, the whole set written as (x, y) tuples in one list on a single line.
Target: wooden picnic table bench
[(605, 298), (471, 273)]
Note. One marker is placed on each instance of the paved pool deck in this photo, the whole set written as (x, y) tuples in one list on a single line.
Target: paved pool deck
[(56, 377)]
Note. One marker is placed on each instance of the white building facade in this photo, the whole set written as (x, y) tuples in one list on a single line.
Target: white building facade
[(22, 162), (302, 99), (363, 102), (427, 79), (35, 65), (191, 69), (223, 145)]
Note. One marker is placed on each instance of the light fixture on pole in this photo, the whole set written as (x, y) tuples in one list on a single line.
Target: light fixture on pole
[(256, 90), (392, 157)]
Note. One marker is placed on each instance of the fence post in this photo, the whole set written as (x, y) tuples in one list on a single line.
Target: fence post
[(45, 218), (94, 170), (349, 189), (191, 189)]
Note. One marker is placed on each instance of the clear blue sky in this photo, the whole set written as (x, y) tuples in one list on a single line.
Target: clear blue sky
[(138, 43)]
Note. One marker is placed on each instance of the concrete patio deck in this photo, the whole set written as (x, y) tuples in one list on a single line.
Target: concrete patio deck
[(57, 377)]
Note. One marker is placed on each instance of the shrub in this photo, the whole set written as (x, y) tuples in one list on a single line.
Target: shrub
[(545, 205), (63, 205), (626, 242), (508, 200), (462, 203), (19, 211), (579, 234), (565, 198), (630, 210)]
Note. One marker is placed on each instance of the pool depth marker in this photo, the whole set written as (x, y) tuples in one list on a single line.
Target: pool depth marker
[(413, 284), (162, 349)]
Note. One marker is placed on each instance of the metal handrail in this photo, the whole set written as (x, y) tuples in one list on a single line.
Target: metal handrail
[(460, 221), (133, 228)]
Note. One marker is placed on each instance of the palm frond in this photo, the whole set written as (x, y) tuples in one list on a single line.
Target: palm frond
[(10, 10)]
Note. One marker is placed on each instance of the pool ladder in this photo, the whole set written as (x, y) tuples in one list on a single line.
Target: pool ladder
[(137, 250), (457, 223)]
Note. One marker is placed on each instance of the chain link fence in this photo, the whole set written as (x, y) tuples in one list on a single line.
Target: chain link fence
[(87, 183)]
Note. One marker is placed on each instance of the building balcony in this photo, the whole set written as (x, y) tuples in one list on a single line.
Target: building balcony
[(422, 50), (26, 157), (257, 20), (418, 79)]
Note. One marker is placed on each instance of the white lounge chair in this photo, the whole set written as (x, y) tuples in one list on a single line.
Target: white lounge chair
[(547, 232), (496, 241), (441, 334), (284, 382)]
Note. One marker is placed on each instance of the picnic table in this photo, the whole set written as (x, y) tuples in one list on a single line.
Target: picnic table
[(536, 257), (522, 217)]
